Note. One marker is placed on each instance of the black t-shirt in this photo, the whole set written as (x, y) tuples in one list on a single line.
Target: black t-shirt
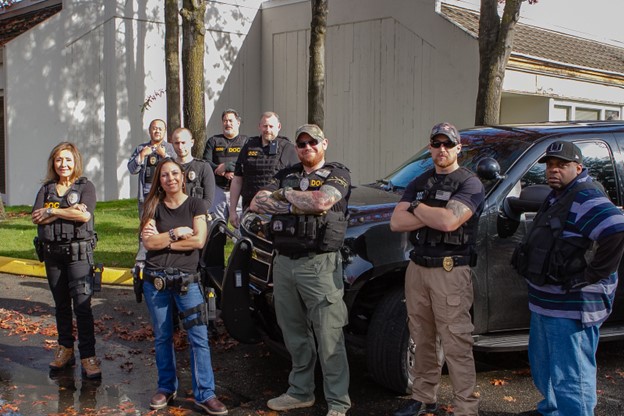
[(470, 193), (166, 219)]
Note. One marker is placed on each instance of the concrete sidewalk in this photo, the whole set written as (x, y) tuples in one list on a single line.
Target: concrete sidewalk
[(110, 276)]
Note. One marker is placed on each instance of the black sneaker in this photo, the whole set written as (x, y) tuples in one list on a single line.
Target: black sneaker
[(414, 408)]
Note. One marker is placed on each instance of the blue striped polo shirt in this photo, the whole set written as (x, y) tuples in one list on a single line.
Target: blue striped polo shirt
[(592, 216)]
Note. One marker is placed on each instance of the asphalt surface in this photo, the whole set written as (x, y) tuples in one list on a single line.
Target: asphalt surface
[(246, 375)]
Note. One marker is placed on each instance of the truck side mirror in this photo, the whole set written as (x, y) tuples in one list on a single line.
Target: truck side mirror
[(488, 169)]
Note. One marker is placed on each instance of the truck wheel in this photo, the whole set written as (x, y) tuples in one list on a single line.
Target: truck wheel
[(389, 349)]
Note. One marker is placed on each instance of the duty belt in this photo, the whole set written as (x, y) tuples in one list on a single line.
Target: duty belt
[(300, 254), (169, 279), (447, 262)]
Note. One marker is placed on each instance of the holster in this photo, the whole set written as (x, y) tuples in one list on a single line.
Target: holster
[(39, 248)]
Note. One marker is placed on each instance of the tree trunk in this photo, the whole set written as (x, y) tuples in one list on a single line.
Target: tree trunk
[(2, 211), (316, 72), (193, 32), (172, 66), (495, 45)]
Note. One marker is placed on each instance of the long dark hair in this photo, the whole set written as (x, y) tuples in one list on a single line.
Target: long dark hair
[(51, 175), (157, 193)]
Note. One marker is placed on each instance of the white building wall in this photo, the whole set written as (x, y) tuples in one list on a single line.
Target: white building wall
[(393, 68), (83, 75)]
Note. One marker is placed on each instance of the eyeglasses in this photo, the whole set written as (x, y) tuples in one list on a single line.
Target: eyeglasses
[(448, 144), (304, 143)]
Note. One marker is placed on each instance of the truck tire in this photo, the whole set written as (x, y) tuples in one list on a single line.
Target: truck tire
[(389, 349)]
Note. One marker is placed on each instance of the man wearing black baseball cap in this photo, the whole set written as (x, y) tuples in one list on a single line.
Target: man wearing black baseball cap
[(569, 258)]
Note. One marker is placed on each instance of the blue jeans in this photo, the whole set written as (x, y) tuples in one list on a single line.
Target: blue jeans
[(159, 305), (563, 364)]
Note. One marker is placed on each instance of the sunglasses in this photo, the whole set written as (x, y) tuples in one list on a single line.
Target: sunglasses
[(304, 143), (448, 144)]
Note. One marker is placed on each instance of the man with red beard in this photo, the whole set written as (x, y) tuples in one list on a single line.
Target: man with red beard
[(440, 209), (309, 205)]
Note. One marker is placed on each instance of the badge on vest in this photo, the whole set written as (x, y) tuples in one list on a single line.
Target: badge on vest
[(304, 184), (442, 195), (152, 160), (73, 198), (192, 175)]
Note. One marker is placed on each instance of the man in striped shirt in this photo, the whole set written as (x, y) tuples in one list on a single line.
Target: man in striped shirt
[(570, 259)]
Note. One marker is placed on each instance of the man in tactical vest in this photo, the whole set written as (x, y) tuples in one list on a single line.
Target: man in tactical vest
[(440, 209), (309, 206), (221, 152), (143, 162), (147, 155), (570, 258), (260, 158), (200, 181)]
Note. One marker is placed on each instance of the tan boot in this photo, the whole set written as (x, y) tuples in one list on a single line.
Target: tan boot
[(64, 357), (91, 367)]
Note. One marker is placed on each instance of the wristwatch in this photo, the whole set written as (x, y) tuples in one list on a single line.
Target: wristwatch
[(413, 206), (49, 212)]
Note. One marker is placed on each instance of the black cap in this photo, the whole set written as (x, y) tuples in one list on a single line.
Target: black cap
[(563, 150)]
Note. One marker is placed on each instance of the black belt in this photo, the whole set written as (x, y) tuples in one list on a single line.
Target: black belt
[(447, 262), (162, 280), (300, 254)]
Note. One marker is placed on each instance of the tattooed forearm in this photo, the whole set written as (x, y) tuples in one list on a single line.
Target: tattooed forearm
[(458, 209), (265, 204), (315, 202)]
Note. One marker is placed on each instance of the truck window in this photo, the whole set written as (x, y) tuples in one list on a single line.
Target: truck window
[(596, 158)]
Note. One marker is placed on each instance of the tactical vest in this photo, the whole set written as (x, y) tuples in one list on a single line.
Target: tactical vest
[(295, 234), (431, 242), (62, 230), (261, 164), (226, 151), (544, 256), (193, 174), (151, 161)]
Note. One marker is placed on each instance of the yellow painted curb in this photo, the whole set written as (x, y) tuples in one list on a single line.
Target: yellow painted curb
[(111, 275)]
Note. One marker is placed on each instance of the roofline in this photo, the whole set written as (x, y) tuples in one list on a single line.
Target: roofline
[(24, 7)]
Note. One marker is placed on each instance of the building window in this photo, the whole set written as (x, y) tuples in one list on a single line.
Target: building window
[(569, 111), (586, 114), (561, 113)]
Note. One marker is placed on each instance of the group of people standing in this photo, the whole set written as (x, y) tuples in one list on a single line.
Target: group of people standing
[(269, 174)]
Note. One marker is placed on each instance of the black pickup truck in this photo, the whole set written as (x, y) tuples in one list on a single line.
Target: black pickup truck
[(375, 258)]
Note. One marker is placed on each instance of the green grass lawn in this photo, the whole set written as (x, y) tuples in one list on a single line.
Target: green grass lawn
[(116, 223)]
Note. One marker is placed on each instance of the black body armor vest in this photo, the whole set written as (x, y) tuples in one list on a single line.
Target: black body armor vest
[(262, 163), (544, 257), (431, 242), (193, 174), (226, 151), (62, 230), (293, 234)]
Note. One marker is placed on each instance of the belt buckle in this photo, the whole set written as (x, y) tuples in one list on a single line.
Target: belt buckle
[(159, 283), (447, 263)]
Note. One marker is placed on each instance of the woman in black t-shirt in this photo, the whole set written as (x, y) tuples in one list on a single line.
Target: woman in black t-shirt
[(174, 229)]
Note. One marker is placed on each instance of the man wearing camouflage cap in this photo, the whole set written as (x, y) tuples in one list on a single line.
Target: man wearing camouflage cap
[(308, 202), (440, 209)]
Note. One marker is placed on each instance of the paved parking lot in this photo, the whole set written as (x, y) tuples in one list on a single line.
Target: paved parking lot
[(247, 375)]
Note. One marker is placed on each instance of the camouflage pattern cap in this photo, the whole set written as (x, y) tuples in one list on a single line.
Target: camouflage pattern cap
[(313, 130), (446, 129)]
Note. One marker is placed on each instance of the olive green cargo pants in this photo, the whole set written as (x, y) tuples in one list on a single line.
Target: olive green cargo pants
[(308, 301)]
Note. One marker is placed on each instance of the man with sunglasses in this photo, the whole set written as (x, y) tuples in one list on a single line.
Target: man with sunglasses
[(308, 203), (440, 209)]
